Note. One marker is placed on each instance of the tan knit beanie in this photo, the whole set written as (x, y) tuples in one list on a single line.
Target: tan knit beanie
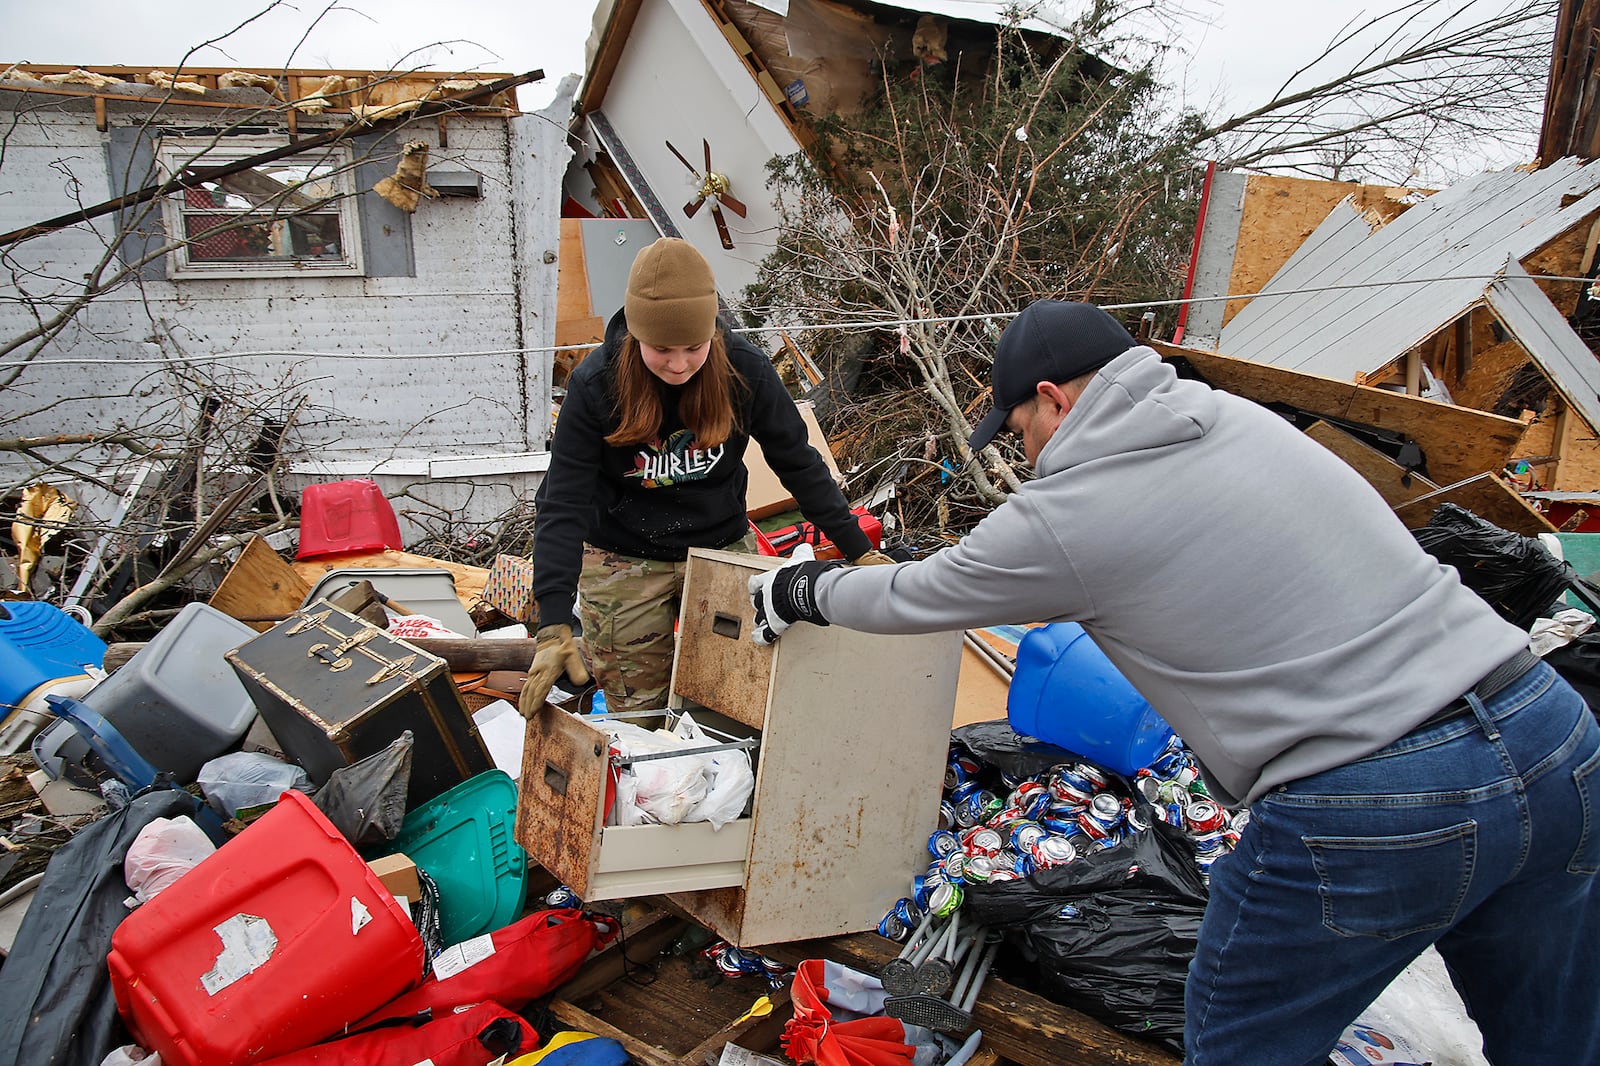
[(672, 297)]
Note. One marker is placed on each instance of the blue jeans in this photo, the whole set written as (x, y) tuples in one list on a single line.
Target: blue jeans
[(1480, 834)]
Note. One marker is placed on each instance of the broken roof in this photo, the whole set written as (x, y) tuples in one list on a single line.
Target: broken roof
[(1354, 299)]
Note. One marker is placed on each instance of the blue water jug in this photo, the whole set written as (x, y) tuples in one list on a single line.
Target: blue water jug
[(1066, 692)]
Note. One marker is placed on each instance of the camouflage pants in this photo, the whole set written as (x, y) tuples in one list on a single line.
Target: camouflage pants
[(628, 607)]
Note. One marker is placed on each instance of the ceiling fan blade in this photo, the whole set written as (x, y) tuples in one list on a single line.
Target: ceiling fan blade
[(722, 227), (708, 155), (728, 200), (682, 160), (693, 205)]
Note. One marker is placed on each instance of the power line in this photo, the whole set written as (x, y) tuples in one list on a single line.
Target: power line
[(877, 323)]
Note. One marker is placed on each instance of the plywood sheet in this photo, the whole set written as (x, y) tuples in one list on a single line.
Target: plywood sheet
[(1384, 474), (260, 584), (1486, 496), (1279, 213), (576, 322), (1458, 442)]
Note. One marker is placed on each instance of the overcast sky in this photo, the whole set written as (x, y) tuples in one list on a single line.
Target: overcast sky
[(1242, 49)]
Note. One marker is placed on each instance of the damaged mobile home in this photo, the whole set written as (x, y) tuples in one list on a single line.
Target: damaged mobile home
[(301, 820)]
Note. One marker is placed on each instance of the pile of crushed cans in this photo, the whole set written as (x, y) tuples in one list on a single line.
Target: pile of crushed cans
[(1051, 819)]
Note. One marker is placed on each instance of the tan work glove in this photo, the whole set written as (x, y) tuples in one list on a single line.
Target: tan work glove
[(872, 558), (555, 653)]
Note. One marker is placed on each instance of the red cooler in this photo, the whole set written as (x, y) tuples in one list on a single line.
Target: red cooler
[(272, 944), (338, 517)]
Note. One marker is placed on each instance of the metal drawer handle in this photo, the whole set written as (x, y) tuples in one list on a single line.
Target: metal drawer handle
[(725, 625), (555, 780)]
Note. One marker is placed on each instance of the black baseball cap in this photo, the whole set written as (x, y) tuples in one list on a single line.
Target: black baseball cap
[(1051, 340)]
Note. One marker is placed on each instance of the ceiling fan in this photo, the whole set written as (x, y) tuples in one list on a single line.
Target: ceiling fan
[(713, 187)]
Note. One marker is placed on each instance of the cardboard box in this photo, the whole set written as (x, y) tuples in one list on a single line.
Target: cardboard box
[(509, 588), (399, 876), (766, 494)]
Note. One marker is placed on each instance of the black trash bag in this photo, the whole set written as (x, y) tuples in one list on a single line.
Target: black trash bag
[(56, 1004), (1516, 575), (1579, 663), (996, 744), (1110, 934), (367, 799)]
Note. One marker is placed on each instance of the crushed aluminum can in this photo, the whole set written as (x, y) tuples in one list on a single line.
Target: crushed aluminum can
[(959, 770), (1025, 834), (1005, 818), (962, 791), (954, 867), (1053, 851), (922, 887), (1070, 787), (942, 842), (979, 869), (1069, 912), (1023, 794), (1212, 843), (1094, 774), (1149, 788), (908, 912), (890, 927), (1037, 804), (946, 899), (983, 841), (1203, 816), (1137, 819), (947, 814), (562, 896)]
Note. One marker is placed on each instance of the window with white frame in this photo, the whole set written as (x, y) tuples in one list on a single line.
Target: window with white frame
[(291, 217)]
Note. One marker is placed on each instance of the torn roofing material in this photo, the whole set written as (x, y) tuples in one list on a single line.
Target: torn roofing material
[(1355, 299), (1543, 331)]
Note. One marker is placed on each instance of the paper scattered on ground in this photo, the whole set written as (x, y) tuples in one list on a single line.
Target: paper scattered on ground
[(502, 730)]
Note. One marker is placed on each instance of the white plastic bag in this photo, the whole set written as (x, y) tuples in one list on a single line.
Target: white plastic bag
[(660, 791), (131, 1055), (244, 779), (731, 780), (164, 851)]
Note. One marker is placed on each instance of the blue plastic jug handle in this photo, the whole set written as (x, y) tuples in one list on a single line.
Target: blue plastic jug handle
[(131, 768)]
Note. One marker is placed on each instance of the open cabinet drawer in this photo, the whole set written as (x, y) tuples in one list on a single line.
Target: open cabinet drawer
[(561, 814)]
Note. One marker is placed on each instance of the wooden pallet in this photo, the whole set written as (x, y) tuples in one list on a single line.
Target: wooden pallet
[(676, 1010)]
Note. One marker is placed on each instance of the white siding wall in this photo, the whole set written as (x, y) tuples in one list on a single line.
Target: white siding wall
[(485, 282)]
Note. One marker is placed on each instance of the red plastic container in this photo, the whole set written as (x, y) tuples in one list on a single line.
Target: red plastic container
[(338, 517), (784, 541), (276, 941)]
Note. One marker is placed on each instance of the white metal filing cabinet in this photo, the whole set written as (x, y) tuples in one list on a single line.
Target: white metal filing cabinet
[(853, 732)]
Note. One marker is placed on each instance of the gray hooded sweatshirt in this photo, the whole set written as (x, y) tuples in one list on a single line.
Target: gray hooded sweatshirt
[(1252, 586)]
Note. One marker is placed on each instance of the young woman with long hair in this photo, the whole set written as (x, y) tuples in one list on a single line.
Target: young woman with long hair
[(648, 462)]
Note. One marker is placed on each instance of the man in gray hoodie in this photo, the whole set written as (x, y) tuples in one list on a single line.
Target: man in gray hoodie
[(1415, 775)]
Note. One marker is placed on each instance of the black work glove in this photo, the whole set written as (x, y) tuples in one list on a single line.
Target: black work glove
[(785, 596)]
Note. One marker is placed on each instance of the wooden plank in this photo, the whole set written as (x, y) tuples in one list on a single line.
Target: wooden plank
[(1023, 1028), (1384, 474), (640, 1052), (641, 941), (1458, 442), (576, 322), (752, 1033), (260, 583), (1486, 496)]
